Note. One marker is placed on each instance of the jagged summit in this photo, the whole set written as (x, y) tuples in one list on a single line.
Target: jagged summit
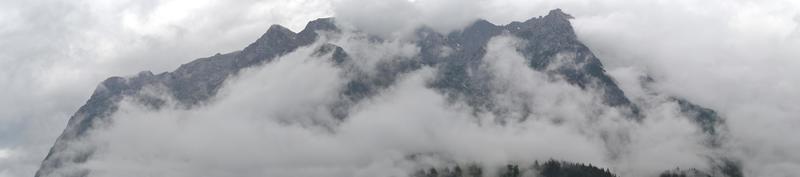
[(457, 57), (321, 24), (558, 13), (197, 81)]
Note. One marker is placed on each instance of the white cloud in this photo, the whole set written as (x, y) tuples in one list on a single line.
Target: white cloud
[(261, 125), (398, 17), (5, 153)]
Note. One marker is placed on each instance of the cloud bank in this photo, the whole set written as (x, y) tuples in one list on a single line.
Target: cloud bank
[(273, 120)]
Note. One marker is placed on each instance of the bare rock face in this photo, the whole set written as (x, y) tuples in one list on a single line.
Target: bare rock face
[(546, 40)]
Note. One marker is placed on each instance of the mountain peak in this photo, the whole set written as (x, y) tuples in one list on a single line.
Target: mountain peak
[(321, 24), (309, 33), (458, 59), (481, 23), (559, 14), (278, 30)]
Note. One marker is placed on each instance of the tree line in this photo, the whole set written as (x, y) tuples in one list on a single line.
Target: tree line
[(550, 168)]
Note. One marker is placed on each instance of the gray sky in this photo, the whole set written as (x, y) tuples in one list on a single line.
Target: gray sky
[(738, 57)]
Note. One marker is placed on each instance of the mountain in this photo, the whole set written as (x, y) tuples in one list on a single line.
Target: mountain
[(549, 42)]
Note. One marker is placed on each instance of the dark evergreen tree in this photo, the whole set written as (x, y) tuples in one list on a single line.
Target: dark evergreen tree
[(432, 173), (474, 171), (551, 168), (457, 172), (511, 171)]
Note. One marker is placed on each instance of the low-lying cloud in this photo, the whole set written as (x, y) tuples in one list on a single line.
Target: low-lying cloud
[(273, 120)]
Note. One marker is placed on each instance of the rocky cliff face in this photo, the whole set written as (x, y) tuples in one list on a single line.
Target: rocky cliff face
[(549, 45)]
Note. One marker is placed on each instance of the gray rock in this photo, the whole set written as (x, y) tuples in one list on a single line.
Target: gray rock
[(459, 75)]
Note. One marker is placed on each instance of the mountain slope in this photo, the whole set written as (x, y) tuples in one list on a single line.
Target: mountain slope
[(548, 44)]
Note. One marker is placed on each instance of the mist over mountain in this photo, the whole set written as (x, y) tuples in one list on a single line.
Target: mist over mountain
[(336, 100)]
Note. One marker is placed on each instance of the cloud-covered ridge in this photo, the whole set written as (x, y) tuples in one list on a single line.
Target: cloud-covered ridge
[(331, 101)]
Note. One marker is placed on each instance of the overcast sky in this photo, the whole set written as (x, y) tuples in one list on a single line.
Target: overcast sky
[(741, 58)]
